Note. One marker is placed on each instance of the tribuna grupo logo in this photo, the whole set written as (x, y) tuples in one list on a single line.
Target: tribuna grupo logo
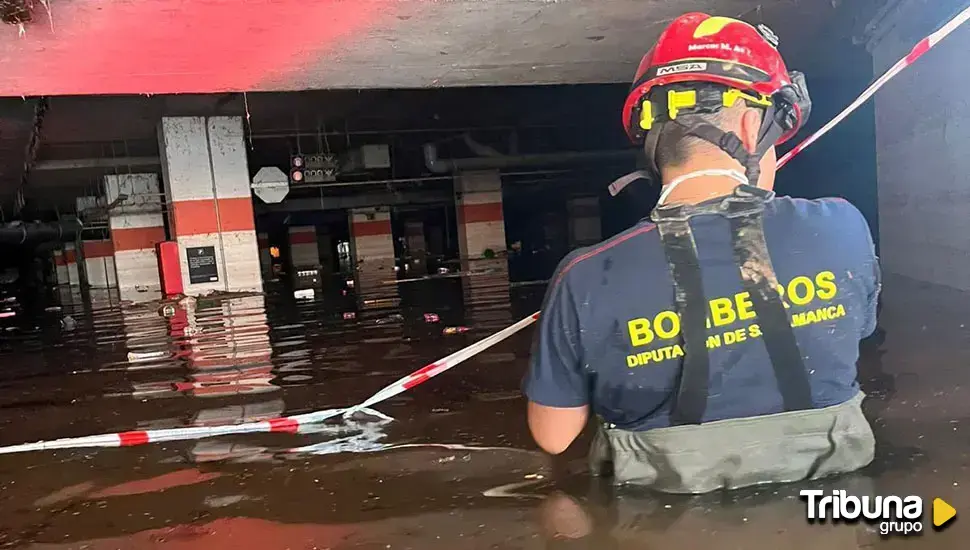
[(894, 515)]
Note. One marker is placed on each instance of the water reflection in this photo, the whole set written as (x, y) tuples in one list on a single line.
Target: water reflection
[(457, 465)]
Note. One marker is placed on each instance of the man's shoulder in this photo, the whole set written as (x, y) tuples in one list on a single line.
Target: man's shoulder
[(823, 209), (613, 253), (832, 226)]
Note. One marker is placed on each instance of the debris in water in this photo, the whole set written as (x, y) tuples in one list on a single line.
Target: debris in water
[(454, 330), (68, 323), (52, 309), (394, 318), (136, 356), (349, 315), (222, 502), (431, 318)]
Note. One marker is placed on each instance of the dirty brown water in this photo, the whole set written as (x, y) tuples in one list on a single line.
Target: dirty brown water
[(118, 366)]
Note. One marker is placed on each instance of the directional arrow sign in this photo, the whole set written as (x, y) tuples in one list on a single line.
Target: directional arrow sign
[(271, 185)]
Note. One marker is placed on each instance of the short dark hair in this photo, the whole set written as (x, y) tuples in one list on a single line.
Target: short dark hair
[(674, 148)]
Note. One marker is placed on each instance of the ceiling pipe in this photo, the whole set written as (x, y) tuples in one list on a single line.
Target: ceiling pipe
[(107, 162), (38, 232), (446, 166)]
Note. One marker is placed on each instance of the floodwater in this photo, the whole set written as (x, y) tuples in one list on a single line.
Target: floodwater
[(456, 469)]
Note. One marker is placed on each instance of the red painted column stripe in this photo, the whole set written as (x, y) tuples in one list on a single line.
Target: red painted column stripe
[(199, 217), (485, 212), (97, 249), (303, 237), (137, 238), (372, 228)]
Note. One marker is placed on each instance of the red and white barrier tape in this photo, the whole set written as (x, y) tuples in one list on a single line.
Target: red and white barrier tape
[(918, 50), (285, 424)]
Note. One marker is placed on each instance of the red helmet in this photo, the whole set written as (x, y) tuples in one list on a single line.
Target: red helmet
[(697, 47)]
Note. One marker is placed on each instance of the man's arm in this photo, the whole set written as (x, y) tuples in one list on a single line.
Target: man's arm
[(874, 278), (555, 384)]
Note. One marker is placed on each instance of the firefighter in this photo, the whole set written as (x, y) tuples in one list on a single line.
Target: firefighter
[(716, 347)]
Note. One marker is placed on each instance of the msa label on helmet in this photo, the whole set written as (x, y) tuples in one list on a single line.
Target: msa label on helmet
[(682, 68), (768, 34)]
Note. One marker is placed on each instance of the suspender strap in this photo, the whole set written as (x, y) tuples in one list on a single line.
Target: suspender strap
[(744, 210), (691, 304), (760, 281)]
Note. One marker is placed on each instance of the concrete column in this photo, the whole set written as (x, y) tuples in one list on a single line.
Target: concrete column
[(206, 177), (99, 263), (481, 228), (417, 249), (265, 258), (96, 254), (304, 253), (922, 133), (372, 247), (325, 249), (136, 225), (70, 258), (481, 223), (585, 227), (60, 268)]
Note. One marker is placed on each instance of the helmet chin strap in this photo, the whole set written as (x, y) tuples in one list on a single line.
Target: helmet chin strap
[(733, 174)]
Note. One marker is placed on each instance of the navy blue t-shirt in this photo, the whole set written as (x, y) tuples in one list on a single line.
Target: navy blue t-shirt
[(609, 336)]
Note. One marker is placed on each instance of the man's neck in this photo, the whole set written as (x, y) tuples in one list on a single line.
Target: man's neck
[(701, 187)]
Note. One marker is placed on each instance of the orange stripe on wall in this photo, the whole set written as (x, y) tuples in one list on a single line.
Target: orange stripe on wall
[(136, 238), (70, 256), (237, 214), (59, 259), (198, 217), (486, 212), (303, 237), (371, 228), (97, 249)]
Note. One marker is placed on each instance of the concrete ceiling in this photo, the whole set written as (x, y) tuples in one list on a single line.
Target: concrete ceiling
[(176, 46), (92, 47)]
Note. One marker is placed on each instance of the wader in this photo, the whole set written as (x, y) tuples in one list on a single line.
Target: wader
[(803, 442)]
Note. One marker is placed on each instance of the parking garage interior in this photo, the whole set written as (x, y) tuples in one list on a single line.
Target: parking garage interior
[(361, 214)]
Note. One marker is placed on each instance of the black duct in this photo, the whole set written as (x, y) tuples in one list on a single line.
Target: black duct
[(444, 166), (38, 232)]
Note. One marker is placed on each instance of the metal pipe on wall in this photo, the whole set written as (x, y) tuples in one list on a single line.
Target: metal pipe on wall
[(40, 232), (446, 166)]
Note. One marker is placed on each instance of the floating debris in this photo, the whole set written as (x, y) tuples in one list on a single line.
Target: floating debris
[(394, 318), (136, 356)]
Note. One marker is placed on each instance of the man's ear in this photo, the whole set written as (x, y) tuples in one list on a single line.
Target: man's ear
[(750, 127)]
